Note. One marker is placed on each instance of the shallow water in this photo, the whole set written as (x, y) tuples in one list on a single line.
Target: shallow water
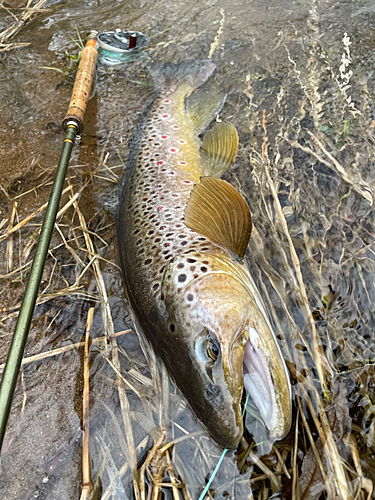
[(309, 66)]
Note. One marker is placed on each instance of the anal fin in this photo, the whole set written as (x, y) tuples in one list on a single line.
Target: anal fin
[(218, 211), (219, 149)]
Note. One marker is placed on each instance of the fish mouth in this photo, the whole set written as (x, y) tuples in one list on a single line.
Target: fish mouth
[(257, 384), (266, 380)]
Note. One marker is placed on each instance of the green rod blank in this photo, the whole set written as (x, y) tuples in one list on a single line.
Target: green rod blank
[(17, 347)]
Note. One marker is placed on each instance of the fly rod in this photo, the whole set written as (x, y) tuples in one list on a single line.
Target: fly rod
[(73, 125)]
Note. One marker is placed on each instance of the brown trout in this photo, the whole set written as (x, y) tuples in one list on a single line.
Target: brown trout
[(182, 234)]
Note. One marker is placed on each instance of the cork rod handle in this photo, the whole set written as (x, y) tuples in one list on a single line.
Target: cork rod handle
[(82, 86)]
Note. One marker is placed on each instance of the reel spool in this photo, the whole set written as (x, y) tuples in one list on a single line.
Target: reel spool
[(117, 47)]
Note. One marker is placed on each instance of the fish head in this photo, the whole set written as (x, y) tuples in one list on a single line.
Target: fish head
[(224, 341), (210, 317)]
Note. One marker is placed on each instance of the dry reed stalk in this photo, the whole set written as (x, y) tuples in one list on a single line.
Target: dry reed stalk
[(86, 474), (275, 482), (174, 481), (216, 43), (151, 453), (333, 455), (28, 218), (262, 477), (16, 271), (123, 379), (27, 15), (45, 297), (295, 450), (5, 47), (281, 465), (364, 483), (34, 189), (189, 435), (9, 250), (125, 467), (361, 187), (318, 355), (314, 448)]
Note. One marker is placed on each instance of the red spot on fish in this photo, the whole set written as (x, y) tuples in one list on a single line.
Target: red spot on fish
[(175, 195), (166, 100), (170, 91), (160, 163), (159, 185), (182, 163), (159, 209), (176, 126), (182, 141), (173, 150), (187, 182), (172, 173), (146, 154), (162, 227), (165, 116), (164, 137), (167, 244)]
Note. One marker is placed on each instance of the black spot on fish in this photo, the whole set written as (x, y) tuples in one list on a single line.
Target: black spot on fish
[(172, 327), (191, 260), (190, 297), (203, 269), (182, 278), (148, 261), (156, 286), (180, 265)]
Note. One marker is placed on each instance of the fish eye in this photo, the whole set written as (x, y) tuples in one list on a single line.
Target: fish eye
[(212, 350), (207, 349)]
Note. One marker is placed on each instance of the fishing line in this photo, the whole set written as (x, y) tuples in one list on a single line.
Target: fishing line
[(203, 494)]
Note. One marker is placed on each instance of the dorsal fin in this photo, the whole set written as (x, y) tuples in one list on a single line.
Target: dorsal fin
[(218, 212), (203, 105), (219, 149)]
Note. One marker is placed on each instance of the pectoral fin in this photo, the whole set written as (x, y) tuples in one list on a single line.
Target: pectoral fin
[(218, 212), (219, 149)]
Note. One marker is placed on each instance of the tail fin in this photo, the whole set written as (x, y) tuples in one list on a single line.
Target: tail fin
[(171, 76)]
